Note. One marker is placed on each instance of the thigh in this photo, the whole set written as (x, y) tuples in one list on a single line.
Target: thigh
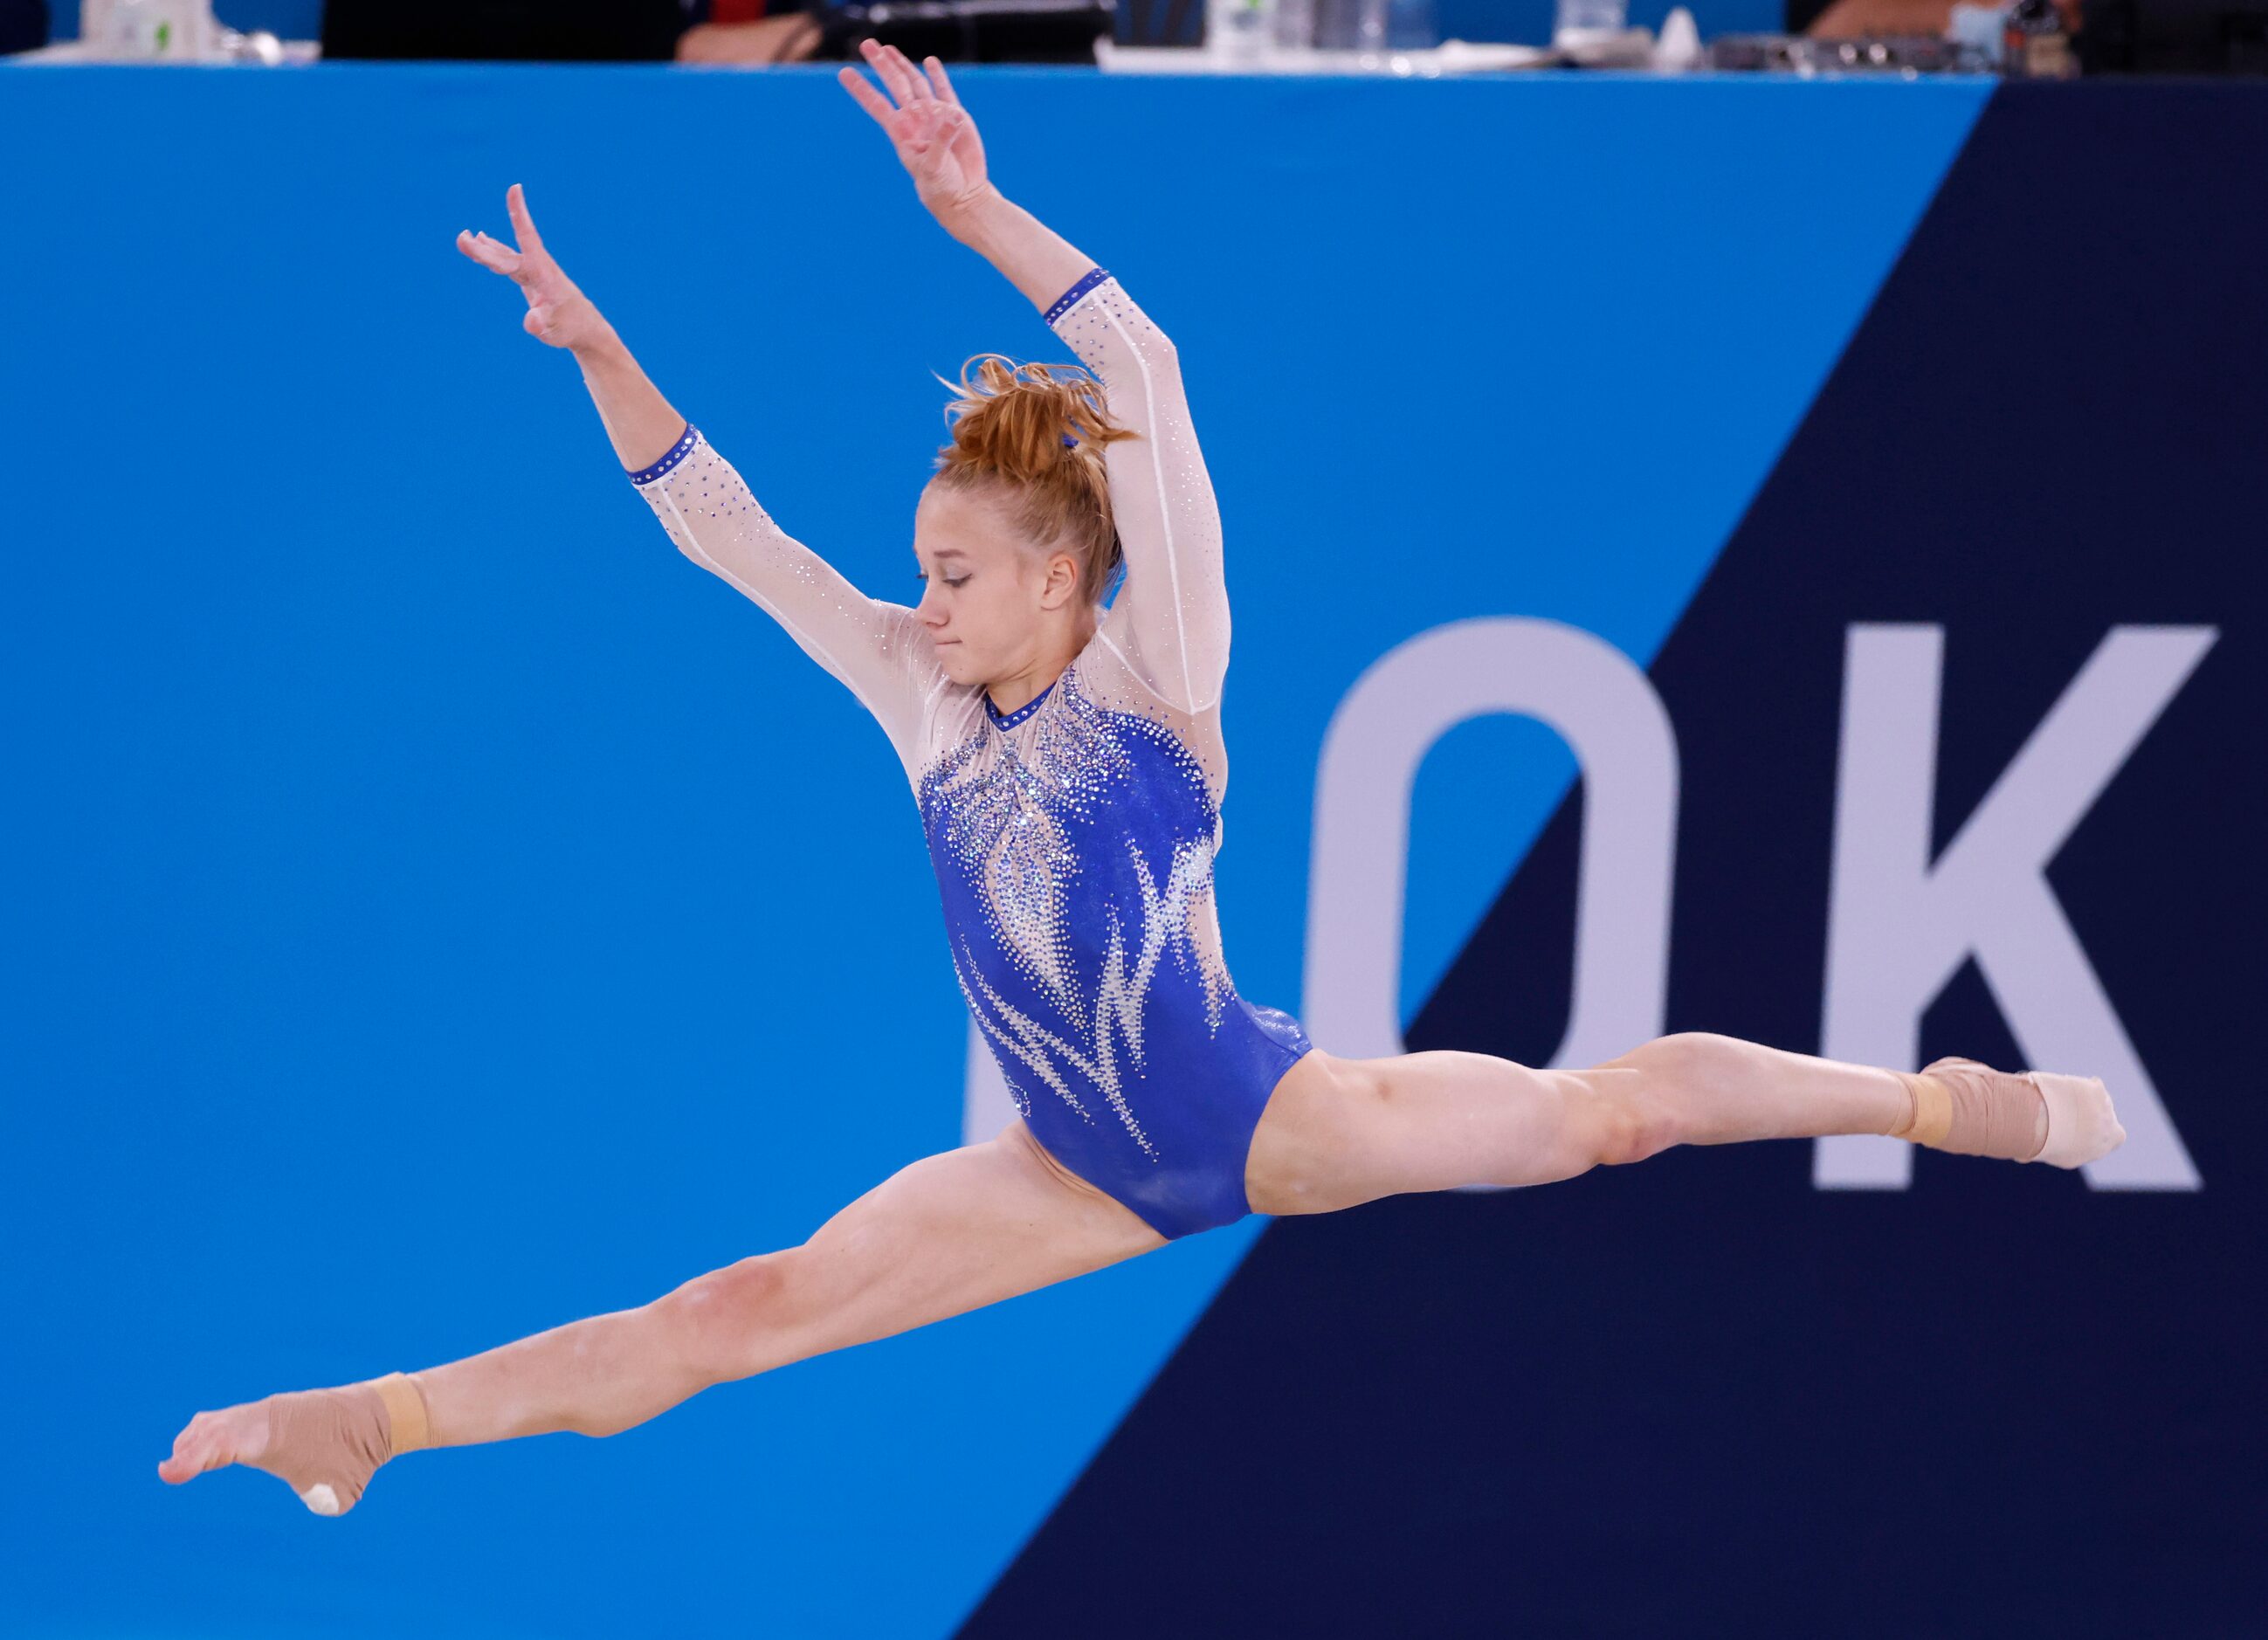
[(950, 1233), (1339, 1132)]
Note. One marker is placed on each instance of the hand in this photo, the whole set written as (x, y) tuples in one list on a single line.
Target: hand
[(936, 140), (558, 314)]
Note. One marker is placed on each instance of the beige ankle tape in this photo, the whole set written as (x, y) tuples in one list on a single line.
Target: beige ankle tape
[(1972, 1110), (1932, 1111), (408, 1431)]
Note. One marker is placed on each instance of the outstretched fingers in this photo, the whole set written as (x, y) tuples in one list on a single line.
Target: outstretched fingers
[(523, 225), (898, 74), (490, 254), (922, 89), (943, 86), (917, 119), (863, 92), (498, 257)]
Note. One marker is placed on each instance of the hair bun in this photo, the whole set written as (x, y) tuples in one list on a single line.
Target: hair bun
[(1034, 435), (1017, 421)]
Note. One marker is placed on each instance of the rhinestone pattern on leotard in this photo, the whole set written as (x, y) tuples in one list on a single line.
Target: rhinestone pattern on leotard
[(1083, 838), (1073, 839)]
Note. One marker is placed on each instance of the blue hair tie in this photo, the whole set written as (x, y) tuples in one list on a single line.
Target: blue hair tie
[(1069, 440)]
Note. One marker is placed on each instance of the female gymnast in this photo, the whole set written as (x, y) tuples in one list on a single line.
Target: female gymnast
[(1065, 756)]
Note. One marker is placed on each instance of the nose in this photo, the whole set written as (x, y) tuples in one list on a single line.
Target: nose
[(927, 610)]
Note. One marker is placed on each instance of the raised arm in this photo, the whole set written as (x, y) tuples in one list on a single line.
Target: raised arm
[(879, 649), (1174, 605), (1174, 609)]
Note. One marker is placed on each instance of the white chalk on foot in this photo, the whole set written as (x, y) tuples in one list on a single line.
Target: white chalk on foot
[(320, 1499)]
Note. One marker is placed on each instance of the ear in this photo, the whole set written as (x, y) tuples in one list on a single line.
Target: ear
[(1060, 583)]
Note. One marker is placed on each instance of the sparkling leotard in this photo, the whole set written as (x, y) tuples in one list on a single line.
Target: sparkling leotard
[(1074, 838)]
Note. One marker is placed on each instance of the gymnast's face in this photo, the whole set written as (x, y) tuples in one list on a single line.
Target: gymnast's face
[(995, 604)]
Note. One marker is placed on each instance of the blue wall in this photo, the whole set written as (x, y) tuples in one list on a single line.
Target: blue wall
[(438, 911)]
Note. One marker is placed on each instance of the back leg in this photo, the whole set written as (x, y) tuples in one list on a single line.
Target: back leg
[(948, 1234)]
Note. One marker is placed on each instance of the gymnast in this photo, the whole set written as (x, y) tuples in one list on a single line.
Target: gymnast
[(1064, 748)]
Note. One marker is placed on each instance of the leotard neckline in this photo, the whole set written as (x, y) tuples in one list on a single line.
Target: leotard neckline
[(1009, 720)]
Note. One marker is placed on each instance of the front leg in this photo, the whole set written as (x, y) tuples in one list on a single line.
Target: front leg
[(1342, 1131), (1339, 1132)]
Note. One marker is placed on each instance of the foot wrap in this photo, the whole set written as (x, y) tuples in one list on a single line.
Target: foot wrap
[(1972, 1110), (325, 1444)]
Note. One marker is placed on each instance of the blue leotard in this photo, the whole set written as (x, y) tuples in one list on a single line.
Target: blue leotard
[(1074, 838)]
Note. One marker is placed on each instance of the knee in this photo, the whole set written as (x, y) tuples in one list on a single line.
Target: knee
[(718, 1323), (1628, 1126), (1636, 1110), (1652, 1091), (1685, 1062)]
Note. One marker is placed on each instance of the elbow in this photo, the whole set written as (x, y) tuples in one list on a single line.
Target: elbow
[(691, 549), (1201, 690)]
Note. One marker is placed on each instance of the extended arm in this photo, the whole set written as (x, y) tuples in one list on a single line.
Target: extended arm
[(877, 649), (1174, 607), (1173, 610)]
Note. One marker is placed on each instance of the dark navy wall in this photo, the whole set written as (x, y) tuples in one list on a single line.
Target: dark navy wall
[(1702, 1397)]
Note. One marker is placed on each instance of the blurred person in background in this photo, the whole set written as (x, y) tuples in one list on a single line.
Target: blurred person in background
[(1894, 19), (751, 32)]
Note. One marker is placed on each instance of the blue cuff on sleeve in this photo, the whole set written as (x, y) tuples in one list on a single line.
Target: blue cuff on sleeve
[(1069, 299), (678, 451)]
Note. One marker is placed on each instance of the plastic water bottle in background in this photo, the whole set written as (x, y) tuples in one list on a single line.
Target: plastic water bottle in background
[(1240, 31), (148, 31), (1577, 22), (1412, 26), (1295, 24), (1981, 30), (1350, 25)]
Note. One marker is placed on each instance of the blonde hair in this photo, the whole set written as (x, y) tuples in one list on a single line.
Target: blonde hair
[(1009, 427)]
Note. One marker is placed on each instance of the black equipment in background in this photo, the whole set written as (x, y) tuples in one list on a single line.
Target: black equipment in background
[(23, 24), (545, 31), (2174, 37), (968, 31)]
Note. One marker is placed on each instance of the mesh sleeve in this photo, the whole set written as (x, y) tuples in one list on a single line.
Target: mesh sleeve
[(1168, 522), (877, 649)]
